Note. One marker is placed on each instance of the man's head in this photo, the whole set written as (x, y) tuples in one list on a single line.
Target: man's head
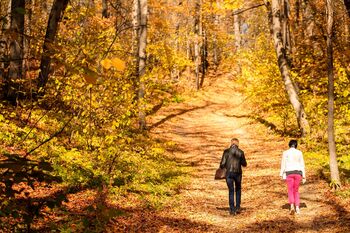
[(234, 141), (293, 143)]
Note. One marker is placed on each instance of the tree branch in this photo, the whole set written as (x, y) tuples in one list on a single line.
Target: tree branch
[(240, 11), (51, 137)]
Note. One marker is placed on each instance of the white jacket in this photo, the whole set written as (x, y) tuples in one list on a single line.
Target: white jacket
[(292, 159)]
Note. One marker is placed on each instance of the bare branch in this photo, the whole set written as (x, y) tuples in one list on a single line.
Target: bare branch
[(240, 11)]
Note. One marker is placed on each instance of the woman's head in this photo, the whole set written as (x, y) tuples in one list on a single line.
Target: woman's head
[(293, 143)]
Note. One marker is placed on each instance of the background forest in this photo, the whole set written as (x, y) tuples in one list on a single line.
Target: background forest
[(79, 79)]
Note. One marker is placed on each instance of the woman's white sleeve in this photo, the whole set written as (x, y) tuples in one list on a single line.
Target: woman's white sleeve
[(302, 163), (283, 165)]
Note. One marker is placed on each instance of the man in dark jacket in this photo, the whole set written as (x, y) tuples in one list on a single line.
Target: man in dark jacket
[(233, 159)]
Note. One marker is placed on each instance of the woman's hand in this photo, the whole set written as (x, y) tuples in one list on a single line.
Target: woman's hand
[(304, 180)]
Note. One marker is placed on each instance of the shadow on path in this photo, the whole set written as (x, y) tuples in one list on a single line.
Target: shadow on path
[(177, 114), (269, 125)]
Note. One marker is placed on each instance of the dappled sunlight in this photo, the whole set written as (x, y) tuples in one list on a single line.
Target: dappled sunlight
[(202, 135)]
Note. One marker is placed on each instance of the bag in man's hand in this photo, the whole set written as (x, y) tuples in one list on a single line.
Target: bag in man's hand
[(220, 174)]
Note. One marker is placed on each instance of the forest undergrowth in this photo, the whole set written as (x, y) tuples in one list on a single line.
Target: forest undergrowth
[(155, 182)]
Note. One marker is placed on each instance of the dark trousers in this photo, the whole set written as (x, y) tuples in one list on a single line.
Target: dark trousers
[(233, 181)]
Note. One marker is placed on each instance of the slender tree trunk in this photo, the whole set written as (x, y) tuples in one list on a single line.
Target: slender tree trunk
[(310, 28), (56, 14), (188, 47), (142, 64), (308, 21), (28, 31), (15, 53), (136, 42), (204, 56), (347, 6), (176, 18), (285, 29), (331, 139), (215, 39), (140, 14), (236, 26), (105, 12), (346, 28), (197, 31), (282, 60), (4, 51)]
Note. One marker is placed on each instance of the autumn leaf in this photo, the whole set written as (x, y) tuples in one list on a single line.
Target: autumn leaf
[(118, 64), (106, 63), (90, 76)]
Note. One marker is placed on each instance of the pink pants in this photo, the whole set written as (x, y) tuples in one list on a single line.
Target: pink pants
[(293, 182)]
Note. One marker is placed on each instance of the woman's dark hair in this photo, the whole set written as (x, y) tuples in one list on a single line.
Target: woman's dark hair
[(293, 143)]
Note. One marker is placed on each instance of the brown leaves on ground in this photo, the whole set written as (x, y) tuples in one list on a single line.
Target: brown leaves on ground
[(201, 129)]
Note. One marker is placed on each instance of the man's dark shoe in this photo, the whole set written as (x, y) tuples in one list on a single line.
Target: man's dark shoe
[(232, 212), (238, 210)]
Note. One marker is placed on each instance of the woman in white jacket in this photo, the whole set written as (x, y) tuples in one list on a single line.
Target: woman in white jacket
[(293, 171)]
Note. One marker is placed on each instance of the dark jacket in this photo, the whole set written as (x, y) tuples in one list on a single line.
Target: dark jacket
[(233, 158)]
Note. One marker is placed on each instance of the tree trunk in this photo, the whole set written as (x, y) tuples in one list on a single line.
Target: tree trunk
[(215, 39), (15, 45), (140, 14), (4, 54), (136, 42), (28, 32), (197, 31), (285, 29), (188, 48), (236, 26), (105, 13), (309, 24), (56, 14), (204, 57), (142, 64), (331, 139), (282, 60), (347, 6)]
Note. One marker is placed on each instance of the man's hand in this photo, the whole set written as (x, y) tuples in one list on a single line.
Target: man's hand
[(304, 180)]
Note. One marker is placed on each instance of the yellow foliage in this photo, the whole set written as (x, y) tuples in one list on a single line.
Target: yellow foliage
[(106, 63), (117, 63)]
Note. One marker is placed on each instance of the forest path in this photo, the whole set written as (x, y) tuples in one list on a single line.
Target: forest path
[(202, 129)]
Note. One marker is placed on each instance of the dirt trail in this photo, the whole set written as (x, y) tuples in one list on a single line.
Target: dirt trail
[(201, 130)]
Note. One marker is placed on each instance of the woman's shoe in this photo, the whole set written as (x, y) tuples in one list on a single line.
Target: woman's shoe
[(297, 210), (291, 211)]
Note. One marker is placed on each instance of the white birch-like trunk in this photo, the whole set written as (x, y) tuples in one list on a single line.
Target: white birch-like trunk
[(142, 62), (284, 68), (140, 14)]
